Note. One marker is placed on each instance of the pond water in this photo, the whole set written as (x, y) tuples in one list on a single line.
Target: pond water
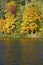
[(21, 51)]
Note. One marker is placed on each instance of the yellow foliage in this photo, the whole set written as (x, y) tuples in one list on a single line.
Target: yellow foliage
[(10, 22), (33, 26), (11, 3), (31, 16)]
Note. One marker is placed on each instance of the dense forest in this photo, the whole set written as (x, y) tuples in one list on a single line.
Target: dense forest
[(21, 18)]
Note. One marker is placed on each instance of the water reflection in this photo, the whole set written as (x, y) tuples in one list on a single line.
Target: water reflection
[(29, 52), (10, 52), (21, 51), (13, 52)]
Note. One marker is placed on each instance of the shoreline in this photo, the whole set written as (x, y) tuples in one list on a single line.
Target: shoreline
[(37, 35)]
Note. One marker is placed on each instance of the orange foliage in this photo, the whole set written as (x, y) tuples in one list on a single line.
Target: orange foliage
[(1, 25)]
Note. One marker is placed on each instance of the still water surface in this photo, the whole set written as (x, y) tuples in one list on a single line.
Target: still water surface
[(21, 51)]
